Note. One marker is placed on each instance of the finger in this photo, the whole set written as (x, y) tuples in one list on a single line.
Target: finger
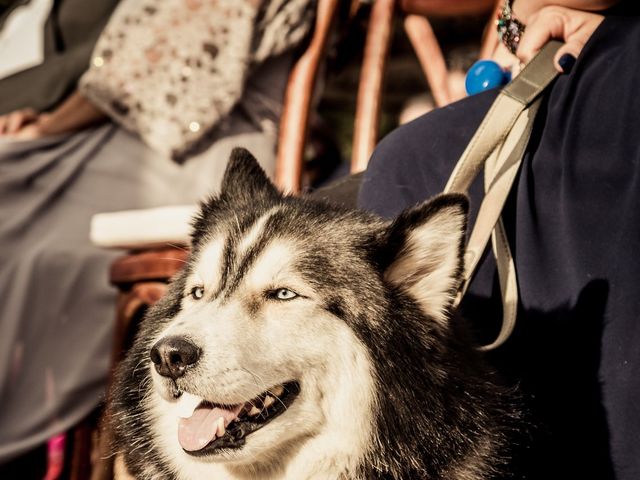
[(503, 57), (572, 26), (548, 23), (6, 121), (14, 122), (18, 118), (29, 132), (566, 57), (575, 42)]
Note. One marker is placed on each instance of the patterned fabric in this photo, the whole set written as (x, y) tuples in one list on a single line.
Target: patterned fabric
[(172, 70)]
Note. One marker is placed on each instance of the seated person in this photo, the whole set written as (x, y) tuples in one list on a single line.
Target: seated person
[(572, 227), (173, 87)]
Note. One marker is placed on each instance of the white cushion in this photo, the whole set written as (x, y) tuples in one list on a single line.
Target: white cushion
[(137, 229)]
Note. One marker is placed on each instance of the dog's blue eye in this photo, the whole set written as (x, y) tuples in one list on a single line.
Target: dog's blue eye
[(284, 294), (197, 293)]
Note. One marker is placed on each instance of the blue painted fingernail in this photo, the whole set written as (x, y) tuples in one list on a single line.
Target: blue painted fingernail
[(566, 62)]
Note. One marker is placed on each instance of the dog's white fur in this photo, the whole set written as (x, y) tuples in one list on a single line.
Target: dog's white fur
[(426, 273), (248, 353)]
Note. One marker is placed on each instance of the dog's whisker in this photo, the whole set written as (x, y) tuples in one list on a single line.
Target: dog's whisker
[(135, 369), (179, 247), (174, 259), (262, 385), (277, 398)]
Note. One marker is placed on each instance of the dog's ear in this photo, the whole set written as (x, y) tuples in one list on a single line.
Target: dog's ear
[(244, 178), (426, 251)]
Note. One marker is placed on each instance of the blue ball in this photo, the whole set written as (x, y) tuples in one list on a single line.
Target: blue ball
[(484, 75)]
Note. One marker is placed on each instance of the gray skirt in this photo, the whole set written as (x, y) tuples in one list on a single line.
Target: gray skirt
[(56, 305)]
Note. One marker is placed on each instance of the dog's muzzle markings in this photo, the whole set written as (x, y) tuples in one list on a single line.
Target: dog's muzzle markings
[(205, 426)]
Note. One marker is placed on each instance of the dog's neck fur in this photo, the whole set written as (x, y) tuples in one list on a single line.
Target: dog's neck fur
[(339, 449), (419, 434)]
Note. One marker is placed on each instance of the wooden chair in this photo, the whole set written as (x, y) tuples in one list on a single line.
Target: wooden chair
[(428, 51), (141, 277)]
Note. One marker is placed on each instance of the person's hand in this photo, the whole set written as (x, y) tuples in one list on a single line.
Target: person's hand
[(74, 114), (25, 124), (503, 57), (14, 122), (574, 27), (32, 130)]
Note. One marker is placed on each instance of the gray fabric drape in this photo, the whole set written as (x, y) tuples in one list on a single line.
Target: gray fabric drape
[(56, 307)]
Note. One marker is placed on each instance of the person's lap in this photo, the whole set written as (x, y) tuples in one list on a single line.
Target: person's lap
[(572, 226)]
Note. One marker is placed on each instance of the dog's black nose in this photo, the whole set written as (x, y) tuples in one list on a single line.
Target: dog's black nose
[(172, 355)]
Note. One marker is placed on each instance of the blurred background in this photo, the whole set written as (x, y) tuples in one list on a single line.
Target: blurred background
[(110, 105)]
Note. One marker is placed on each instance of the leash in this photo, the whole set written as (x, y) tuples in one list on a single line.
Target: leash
[(499, 145)]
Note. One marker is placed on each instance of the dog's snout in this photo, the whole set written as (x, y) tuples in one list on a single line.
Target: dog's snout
[(172, 355)]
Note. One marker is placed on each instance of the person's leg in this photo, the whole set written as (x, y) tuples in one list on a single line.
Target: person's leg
[(415, 161)]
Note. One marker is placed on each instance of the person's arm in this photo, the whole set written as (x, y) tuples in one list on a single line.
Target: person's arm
[(75, 113)]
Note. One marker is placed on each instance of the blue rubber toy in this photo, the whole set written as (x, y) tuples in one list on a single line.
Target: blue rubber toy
[(484, 75)]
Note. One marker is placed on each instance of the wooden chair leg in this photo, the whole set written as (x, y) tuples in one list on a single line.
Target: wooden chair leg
[(130, 308), (120, 471), (103, 461), (371, 76), (298, 98), (430, 56), (82, 446)]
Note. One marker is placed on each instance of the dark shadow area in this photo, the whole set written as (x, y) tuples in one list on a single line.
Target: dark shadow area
[(554, 359), (28, 466)]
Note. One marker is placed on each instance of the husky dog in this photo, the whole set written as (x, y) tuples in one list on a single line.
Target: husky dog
[(304, 340)]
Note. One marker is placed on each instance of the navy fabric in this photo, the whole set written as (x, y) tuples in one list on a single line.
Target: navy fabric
[(573, 224)]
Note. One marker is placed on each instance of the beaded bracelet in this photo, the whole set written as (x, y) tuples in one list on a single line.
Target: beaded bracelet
[(510, 29)]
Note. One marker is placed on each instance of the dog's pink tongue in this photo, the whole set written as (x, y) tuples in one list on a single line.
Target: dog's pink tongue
[(197, 431)]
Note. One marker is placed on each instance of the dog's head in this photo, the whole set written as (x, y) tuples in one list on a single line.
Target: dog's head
[(264, 342)]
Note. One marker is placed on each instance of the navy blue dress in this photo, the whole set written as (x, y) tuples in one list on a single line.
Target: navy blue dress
[(574, 227)]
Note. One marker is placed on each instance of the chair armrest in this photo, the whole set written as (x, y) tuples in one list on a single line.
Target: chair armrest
[(152, 265), (139, 229)]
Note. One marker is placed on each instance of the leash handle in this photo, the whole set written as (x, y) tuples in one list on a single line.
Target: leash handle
[(499, 145)]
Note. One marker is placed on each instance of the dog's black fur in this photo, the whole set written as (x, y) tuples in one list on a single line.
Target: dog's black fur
[(440, 412)]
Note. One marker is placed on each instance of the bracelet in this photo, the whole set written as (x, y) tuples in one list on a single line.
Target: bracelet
[(510, 29)]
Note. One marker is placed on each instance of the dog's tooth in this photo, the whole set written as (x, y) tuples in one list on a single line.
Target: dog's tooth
[(277, 391), (254, 411), (220, 430), (186, 404), (268, 401)]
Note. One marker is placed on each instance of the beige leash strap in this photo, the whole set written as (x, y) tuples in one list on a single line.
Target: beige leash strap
[(499, 145)]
